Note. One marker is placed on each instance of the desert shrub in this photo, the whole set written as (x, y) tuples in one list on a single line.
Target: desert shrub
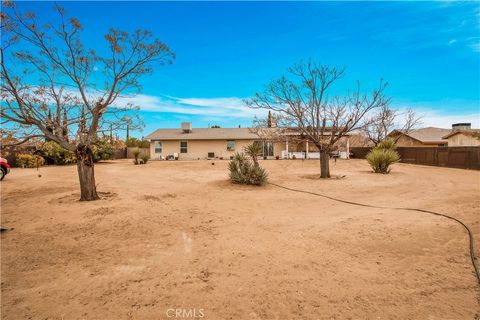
[(102, 150), (136, 154), (383, 156), (29, 160), (57, 154), (145, 158), (381, 159), (386, 144), (244, 171)]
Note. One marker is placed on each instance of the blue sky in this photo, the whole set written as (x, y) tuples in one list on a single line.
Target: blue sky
[(429, 52)]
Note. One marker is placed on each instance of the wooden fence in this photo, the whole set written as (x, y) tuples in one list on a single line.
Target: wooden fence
[(120, 153), (143, 151), (453, 157)]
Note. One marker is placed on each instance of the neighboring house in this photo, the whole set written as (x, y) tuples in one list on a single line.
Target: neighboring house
[(463, 138), (187, 143), (424, 137)]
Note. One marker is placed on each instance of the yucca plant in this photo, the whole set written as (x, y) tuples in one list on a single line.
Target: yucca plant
[(238, 168), (257, 175), (381, 159), (383, 156), (254, 150), (145, 158), (244, 171), (136, 154), (386, 144)]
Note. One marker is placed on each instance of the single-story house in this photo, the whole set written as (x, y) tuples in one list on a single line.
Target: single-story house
[(187, 143), (202, 143), (468, 137), (424, 137), (461, 134)]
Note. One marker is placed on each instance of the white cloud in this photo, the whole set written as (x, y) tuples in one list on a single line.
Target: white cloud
[(432, 114), (452, 41), (475, 47), (231, 107), (145, 102), (224, 107), (231, 103), (444, 113), (429, 117), (433, 119), (234, 107)]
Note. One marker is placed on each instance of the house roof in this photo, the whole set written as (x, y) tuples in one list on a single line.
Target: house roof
[(220, 133), (428, 135), (203, 134), (469, 132)]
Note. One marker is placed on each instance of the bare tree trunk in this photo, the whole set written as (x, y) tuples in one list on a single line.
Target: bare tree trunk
[(86, 174), (324, 164), (255, 160)]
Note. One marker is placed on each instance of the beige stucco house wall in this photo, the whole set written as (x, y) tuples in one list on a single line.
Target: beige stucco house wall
[(462, 139), (201, 143), (199, 149)]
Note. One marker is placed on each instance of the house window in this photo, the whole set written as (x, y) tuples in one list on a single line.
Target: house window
[(158, 147), (267, 148), (230, 145), (183, 147)]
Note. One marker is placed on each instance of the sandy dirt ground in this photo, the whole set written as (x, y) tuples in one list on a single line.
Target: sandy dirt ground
[(178, 235)]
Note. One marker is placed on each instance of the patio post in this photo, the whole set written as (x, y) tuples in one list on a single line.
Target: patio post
[(286, 148), (348, 147), (306, 151)]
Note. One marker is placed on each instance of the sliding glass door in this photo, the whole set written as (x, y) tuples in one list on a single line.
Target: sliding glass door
[(267, 148)]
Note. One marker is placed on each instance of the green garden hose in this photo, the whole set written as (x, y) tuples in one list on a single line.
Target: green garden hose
[(469, 232)]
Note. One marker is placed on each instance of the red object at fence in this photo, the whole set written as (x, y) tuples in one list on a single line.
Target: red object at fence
[(4, 168)]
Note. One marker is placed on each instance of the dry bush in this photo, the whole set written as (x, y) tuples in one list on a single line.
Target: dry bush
[(383, 156), (24, 160), (245, 171)]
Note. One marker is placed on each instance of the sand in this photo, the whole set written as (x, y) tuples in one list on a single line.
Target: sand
[(178, 235)]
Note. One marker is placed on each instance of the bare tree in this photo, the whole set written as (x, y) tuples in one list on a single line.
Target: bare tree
[(266, 129), (303, 100), (54, 87), (385, 120), (272, 129)]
